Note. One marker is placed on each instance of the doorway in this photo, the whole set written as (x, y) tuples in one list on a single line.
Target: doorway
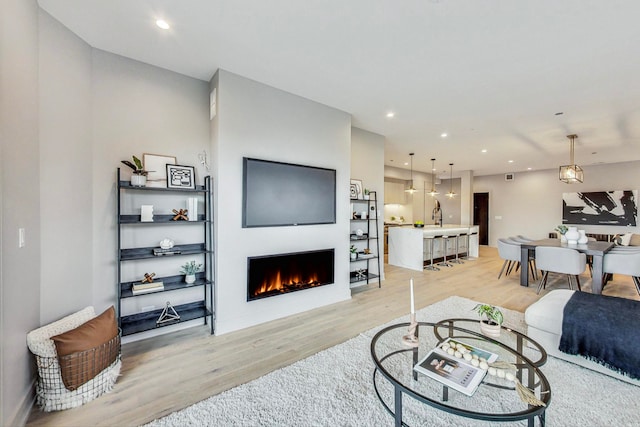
[(481, 216)]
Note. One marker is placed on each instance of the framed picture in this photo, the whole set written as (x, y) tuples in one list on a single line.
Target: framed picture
[(156, 165), (181, 176), (355, 191)]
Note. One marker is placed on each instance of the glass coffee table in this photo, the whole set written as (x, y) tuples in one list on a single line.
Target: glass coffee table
[(495, 399)]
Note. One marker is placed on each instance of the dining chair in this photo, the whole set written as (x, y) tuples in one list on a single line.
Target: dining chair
[(622, 261), (560, 260)]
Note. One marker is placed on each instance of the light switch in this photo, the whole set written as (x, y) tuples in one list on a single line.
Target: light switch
[(21, 238), (498, 217)]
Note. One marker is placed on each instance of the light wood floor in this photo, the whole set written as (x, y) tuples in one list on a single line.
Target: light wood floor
[(165, 374)]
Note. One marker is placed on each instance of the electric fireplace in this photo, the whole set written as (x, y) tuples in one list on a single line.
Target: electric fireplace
[(279, 274)]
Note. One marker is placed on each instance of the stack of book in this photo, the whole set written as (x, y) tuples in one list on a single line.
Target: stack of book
[(170, 251), (143, 288)]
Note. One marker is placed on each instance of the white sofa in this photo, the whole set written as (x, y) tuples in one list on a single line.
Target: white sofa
[(544, 322)]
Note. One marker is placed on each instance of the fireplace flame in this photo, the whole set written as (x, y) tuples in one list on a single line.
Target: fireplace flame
[(276, 282)]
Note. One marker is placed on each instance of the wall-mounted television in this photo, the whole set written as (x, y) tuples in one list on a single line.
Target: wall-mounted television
[(281, 194)]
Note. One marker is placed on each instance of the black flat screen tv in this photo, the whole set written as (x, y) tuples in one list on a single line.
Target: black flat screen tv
[(276, 194)]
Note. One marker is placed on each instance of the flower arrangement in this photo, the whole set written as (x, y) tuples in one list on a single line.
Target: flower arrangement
[(562, 229)]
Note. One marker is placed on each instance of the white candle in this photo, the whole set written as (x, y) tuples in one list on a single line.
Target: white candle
[(413, 309)]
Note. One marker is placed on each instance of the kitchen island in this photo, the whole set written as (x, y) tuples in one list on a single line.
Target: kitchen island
[(409, 246)]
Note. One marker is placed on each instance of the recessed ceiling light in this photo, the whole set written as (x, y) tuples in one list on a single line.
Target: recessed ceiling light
[(529, 169), (406, 163), (390, 114), (443, 135), (484, 150), (510, 161), (163, 24)]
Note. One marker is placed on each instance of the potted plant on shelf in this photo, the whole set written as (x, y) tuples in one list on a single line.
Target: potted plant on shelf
[(366, 194), (493, 318), (354, 252), (189, 270), (139, 175)]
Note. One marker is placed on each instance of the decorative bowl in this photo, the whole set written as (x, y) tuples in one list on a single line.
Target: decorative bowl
[(418, 225)]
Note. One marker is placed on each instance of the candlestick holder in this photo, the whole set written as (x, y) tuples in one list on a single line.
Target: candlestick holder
[(411, 339)]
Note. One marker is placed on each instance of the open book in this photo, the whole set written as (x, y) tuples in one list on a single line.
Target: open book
[(456, 370)]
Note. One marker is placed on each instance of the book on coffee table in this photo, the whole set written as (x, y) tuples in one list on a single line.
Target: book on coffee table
[(451, 371)]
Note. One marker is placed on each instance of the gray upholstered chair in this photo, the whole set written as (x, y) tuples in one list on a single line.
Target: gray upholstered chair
[(622, 261), (509, 251), (560, 260)]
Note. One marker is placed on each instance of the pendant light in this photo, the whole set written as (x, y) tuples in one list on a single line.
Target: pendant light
[(433, 191), (451, 194), (571, 173), (411, 188)]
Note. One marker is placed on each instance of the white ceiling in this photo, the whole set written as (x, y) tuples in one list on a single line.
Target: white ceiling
[(491, 73)]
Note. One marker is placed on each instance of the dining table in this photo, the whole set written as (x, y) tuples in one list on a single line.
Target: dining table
[(596, 249)]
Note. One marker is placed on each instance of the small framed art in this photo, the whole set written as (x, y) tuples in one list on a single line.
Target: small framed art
[(181, 177), (355, 191), (155, 164)]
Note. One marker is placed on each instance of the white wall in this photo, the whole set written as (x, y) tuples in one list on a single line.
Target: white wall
[(20, 204), (531, 204), (255, 120), (66, 169), (138, 108), (367, 164)]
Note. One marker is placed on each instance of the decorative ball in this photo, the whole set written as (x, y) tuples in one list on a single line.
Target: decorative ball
[(500, 373), (510, 376), (467, 357), (457, 354), (492, 370), (475, 362), (445, 346), (484, 366), (451, 351)]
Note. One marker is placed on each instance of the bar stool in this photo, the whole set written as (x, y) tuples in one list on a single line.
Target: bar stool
[(445, 246), (457, 260), (465, 236), (431, 267)]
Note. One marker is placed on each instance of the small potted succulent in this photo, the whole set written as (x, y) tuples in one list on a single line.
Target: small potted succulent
[(366, 194), (189, 270), (492, 319), (139, 175), (354, 252)]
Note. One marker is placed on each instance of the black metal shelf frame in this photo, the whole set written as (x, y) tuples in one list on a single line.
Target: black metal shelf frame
[(372, 242), (200, 309)]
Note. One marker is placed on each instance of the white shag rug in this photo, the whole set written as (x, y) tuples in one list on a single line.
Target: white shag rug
[(334, 387)]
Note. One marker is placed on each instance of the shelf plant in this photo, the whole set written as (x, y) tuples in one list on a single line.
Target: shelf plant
[(354, 252), (189, 270), (139, 175)]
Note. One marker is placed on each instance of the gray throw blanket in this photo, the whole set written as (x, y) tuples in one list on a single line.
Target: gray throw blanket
[(603, 329)]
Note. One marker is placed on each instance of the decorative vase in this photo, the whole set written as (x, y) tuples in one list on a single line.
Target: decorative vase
[(563, 238), (572, 235), (583, 237), (138, 180), (354, 255), (190, 278), (490, 329)]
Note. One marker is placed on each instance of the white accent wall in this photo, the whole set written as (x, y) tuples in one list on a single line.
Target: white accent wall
[(367, 165), (531, 204), (259, 121)]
